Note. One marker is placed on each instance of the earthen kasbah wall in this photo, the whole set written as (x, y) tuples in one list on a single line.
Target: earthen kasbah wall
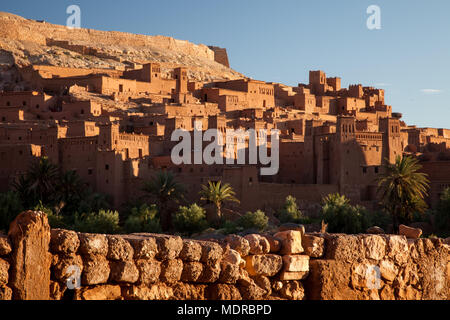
[(39, 263), (220, 55), (18, 28)]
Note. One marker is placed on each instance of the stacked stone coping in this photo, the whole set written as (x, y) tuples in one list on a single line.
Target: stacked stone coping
[(154, 266), (407, 268), (289, 264)]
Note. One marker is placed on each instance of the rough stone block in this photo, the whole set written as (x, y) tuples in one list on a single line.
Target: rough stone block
[(64, 241), (149, 271), (232, 257), (210, 274), (158, 291), (230, 273), (291, 275), (375, 230), (296, 263), (388, 270), (169, 247), (56, 290), (275, 244), (223, 292), (96, 270), (143, 247), (171, 270), (342, 247), (5, 293), (314, 246), (211, 252), (5, 245), (30, 259), (264, 283), (258, 244), (100, 293), (252, 292), (186, 291), (239, 244), (387, 293), (329, 280), (291, 242), (191, 252), (4, 276), (68, 267), (191, 271), (375, 247), (119, 249), (363, 276), (410, 233), (266, 265), (292, 227), (124, 272), (292, 290), (398, 248), (93, 244)]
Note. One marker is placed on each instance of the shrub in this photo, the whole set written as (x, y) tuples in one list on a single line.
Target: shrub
[(98, 222), (56, 221), (442, 215), (380, 219), (230, 227), (253, 220), (94, 202), (290, 212), (143, 219), (10, 207), (190, 219), (342, 217)]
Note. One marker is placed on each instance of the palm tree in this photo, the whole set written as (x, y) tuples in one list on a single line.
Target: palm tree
[(403, 189), (39, 183), (217, 193), (164, 189), (70, 190), (10, 207), (22, 186)]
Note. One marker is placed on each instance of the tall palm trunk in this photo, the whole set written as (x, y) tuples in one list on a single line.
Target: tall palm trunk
[(165, 216), (218, 211), (395, 224)]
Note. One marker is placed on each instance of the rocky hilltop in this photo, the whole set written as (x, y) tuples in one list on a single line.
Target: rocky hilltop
[(26, 42)]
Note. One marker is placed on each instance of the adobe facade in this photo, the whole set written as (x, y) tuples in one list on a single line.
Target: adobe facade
[(114, 128)]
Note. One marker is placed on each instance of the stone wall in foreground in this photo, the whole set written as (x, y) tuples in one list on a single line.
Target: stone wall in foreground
[(39, 263)]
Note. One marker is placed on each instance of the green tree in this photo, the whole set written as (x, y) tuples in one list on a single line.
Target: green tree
[(22, 187), (70, 191), (190, 219), (93, 202), (143, 219), (43, 177), (342, 217), (55, 219), (253, 220), (103, 221), (10, 207), (164, 189), (403, 188), (442, 215), (218, 193), (290, 211)]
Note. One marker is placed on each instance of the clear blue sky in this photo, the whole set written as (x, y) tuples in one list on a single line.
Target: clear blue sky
[(282, 40)]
